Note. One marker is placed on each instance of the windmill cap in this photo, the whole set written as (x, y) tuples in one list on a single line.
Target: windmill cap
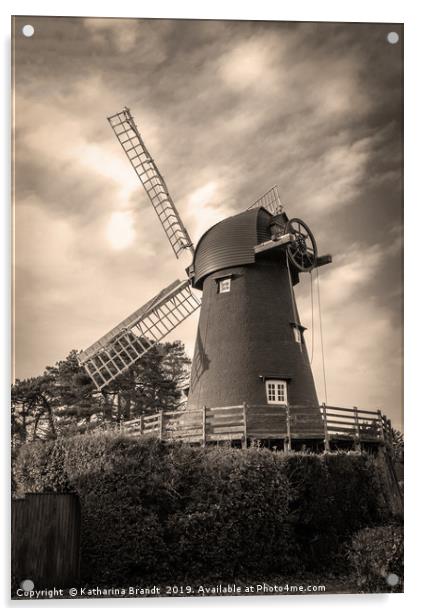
[(231, 243)]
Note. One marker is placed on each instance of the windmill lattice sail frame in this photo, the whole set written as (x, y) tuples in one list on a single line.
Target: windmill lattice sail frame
[(126, 343), (271, 201), (136, 151)]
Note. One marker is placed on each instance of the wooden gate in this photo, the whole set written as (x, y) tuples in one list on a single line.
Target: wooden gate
[(46, 539)]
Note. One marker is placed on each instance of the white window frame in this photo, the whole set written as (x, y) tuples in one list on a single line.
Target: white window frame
[(276, 391), (224, 285), (298, 336)]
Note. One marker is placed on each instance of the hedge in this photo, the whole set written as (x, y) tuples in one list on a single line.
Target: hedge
[(166, 511), (376, 558)]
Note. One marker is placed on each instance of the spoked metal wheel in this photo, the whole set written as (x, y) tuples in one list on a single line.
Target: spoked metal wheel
[(302, 251)]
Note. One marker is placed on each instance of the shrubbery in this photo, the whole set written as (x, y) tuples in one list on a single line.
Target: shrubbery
[(376, 558), (164, 511)]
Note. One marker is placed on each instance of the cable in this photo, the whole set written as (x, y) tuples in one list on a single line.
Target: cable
[(294, 307), (321, 333), (312, 316)]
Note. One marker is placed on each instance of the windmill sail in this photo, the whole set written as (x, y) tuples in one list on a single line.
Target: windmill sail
[(120, 348), (271, 201), (132, 143)]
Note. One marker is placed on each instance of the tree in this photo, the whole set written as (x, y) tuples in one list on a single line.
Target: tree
[(64, 400), (32, 409)]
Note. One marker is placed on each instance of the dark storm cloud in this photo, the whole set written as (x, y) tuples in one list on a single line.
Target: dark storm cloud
[(227, 109)]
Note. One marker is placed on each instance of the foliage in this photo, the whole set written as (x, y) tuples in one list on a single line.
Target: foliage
[(375, 554), (63, 401), (342, 489), (154, 510), (397, 446)]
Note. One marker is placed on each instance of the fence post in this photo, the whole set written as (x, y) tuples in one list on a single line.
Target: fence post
[(327, 442), (288, 439), (389, 433), (244, 439), (389, 427), (381, 426), (161, 424), (357, 439), (204, 427)]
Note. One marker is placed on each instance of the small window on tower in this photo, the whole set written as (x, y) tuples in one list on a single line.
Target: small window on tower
[(297, 334), (224, 285), (276, 391)]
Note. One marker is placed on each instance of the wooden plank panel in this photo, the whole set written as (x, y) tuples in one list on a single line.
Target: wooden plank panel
[(263, 416), (305, 432), (224, 421), (235, 436), (339, 426), (170, 414), (266, 406), (191, 430), (149, 418), (266, 435), (350, 417), (253, 411), (188, 419), (334, 430), (305, 416), (185, 421), (130, 422), (268, 416), (225, 429), (185, 439), (304, 425), (309, 435), (267, 423), (236, 413), (183, 434), (370, 438), (218, 409), (185, 424), (334, 422), (341, 408), (183, 428), (226, 408)]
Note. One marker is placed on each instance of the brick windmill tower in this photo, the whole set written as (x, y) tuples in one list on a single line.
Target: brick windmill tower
[(250, 344)]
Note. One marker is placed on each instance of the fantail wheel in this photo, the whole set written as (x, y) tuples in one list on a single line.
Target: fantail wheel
[(302, 251)]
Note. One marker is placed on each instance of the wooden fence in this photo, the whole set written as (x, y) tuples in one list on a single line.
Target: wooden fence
[(248, 423), (45, 539)]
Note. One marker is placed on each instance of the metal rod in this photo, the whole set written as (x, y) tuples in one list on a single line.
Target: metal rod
[(327, 442)]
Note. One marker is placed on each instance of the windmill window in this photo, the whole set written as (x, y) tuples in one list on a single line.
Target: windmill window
[(297, 334), (224, 285), (276, 391)]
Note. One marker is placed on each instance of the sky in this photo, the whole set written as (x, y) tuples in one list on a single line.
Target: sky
[(227, 110)]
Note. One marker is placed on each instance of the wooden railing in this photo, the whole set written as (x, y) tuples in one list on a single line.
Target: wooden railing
[(248, 423)]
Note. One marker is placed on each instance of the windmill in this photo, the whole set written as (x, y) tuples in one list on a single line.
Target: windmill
[(250, 342)]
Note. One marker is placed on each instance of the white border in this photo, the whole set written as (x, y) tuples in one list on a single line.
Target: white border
[(357, 11)]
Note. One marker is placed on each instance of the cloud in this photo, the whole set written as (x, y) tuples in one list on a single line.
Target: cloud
[(123, 34), (205, 209), (120, 232), (362, 345), (252, 65)]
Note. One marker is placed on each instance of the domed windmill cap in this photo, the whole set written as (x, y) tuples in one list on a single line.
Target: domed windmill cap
[(231, 242)]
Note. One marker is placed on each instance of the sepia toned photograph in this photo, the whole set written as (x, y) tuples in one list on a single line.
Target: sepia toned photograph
[(207, 378)]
